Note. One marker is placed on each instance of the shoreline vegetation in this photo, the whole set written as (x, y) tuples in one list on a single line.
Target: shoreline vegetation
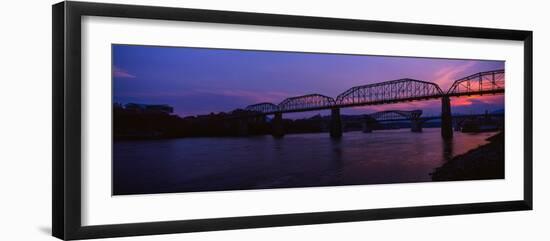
[(143, 122), (484, 162)]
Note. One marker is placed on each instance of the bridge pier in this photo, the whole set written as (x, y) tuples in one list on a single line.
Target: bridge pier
[(367, 128), (277, 126), (416, 125), (368, 124), (457, 125), (335, 123), (446, 118)]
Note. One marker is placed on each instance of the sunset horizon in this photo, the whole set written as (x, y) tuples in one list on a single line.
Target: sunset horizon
[(222, 80)]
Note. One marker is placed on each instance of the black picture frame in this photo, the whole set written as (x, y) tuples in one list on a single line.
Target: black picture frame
[(66, 168)]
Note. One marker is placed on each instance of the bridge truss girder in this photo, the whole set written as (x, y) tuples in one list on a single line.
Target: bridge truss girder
[(305, 102), (395, 115), (395, 91), (264, 107), (489, 82), (388, 92)]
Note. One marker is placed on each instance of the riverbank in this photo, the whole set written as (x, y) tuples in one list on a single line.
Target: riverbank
[(484, 162)]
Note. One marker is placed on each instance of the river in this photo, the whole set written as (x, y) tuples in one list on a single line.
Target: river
[(297, 160)]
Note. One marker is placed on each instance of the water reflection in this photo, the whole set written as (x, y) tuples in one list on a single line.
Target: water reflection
[(447, 149), (301, 160)]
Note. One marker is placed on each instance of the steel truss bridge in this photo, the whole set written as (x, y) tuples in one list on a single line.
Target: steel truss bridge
[(395, 115), (370, 120), (388, 92), (415, 117)]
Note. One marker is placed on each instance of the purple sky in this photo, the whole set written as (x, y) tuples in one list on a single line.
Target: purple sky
[(198, 81)]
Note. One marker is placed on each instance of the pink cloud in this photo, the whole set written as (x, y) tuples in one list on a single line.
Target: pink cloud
[(469, 100), (463, 101), (121, 73), (415, 105), (447, 75)]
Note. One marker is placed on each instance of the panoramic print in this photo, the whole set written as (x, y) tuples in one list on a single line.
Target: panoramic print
[(202, 119)]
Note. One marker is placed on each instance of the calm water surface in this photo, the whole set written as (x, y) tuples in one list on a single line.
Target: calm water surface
[(297, 160)]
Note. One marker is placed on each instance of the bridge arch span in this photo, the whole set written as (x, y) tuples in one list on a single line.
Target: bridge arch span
[(393, 115), (264, 107), (488, 82), (396, 115), (389, 92), (307, 102)]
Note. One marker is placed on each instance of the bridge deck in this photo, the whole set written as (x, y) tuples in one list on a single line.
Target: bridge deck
[(381, 102), (389, 92)]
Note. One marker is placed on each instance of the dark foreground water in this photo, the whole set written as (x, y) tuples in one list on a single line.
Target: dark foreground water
[(299, 160)]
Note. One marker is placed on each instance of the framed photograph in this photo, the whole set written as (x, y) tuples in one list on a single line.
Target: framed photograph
[(170, 120)]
